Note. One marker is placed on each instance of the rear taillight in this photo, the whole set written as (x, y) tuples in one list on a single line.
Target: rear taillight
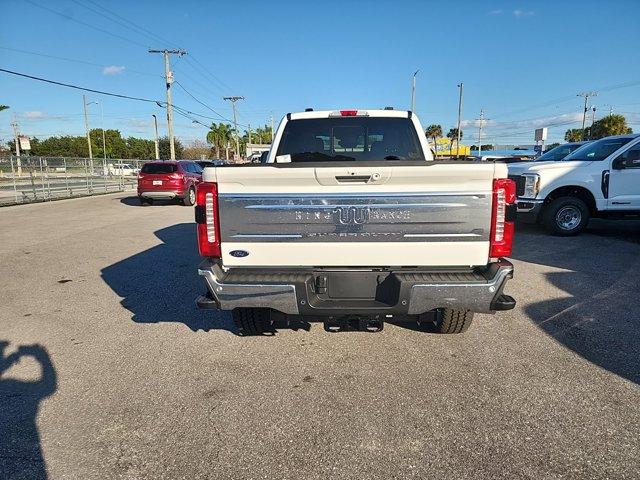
[(502, 217), (207, 219)]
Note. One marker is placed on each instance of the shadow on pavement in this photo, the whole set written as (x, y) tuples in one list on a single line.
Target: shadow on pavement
[(599, 319), (135, 202), (20, 449), (162, 283)]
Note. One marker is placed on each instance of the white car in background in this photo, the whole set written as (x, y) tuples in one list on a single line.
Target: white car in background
[(125, 169)]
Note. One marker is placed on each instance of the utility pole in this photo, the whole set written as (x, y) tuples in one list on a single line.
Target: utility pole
[(86, 127), (413, 91), (168, 76), (480, 133), (233, 101), (461, 87), (586, 96), (16, 134), (155, 129)]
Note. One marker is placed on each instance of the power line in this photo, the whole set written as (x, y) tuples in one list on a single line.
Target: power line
[(607, 88), (224, 85), (69, 85), (88, 25), (146, 33), (205, 105), (74, 60), (161, 104)]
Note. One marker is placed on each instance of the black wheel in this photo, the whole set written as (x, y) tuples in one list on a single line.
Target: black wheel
[(190, 198), (252, 321), (145, 201), (566, 216), (448, 320)]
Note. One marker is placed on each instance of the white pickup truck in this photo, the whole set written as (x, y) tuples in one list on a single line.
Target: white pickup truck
[(351, 220), (599, 179)]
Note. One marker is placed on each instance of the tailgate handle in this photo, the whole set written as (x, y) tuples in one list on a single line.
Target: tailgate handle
[(353, 178)]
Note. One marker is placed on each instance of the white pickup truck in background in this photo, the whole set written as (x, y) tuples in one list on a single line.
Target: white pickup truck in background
[(599, 179), (352, 220)]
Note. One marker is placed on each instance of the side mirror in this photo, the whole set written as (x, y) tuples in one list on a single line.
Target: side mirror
[(619, 163)]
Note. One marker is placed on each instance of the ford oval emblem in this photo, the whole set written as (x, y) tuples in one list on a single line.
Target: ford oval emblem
[(238, 253)]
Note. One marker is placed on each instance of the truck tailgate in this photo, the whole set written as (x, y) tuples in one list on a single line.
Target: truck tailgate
[(432, 214)]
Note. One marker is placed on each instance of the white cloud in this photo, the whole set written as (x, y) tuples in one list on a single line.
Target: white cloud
[(34, 115), (523, 13), (532, 123), (113, 70), (495, 12)]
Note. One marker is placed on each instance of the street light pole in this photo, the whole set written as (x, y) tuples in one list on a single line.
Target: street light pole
[(155, 129), (480, 133), (86, 126), (413, 91), (461, 87), (104, 138), (272, 128)]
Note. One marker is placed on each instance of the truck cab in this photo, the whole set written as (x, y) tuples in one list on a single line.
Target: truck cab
[(351, 220), (599, 179)]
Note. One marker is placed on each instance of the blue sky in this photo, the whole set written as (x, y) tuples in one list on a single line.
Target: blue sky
[(523, 62)]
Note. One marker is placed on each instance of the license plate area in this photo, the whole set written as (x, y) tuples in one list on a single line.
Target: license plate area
[(368, 288), (157, 182)]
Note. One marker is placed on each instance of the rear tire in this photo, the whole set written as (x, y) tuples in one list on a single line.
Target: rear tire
[(190, 198), (448, 320), (566, 216), (252, 321)]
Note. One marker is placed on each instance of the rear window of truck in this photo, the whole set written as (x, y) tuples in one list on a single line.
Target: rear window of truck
[(350, 139), (159, 168)]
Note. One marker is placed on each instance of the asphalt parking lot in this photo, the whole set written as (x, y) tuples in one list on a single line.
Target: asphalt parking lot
[(119, 376)]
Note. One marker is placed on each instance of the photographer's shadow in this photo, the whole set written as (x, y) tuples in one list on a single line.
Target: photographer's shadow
[(20, 449), (162, 283)]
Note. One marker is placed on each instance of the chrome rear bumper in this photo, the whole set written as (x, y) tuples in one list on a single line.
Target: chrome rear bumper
[(401, 292), (160, 194)]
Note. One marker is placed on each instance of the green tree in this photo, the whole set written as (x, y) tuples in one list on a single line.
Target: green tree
[(434, 132), (574, 135), (165, 148), (140, 148), (219, 135), (609, 125), (3, 107), (452, 135), (115, 145)]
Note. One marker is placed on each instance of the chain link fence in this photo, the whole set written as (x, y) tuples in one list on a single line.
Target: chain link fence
[(28, 179)]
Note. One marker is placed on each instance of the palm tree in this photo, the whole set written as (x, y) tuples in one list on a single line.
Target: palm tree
[(219, 135), (3, 107), (453, 136), (434, 131)]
